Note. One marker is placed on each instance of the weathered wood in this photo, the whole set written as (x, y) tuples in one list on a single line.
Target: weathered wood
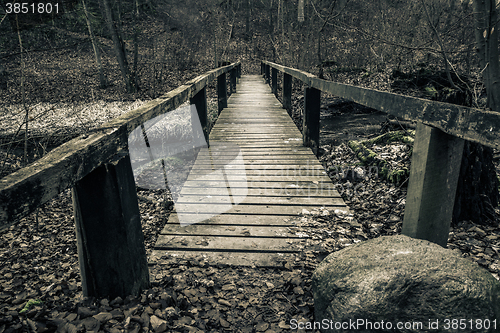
[(23, 191), (30, 187), (232, 78), (229, 230), (108, 225), (287, 92), (230, 258), (257, 192), (310, 119), (433, 180), (274, 81), (200, 101), (236, 244), (234, 220), (467, 123), (276, 180), (267, 74), (221, 92)]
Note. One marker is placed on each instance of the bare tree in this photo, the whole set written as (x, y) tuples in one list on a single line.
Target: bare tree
[(119, 47), (486, 17), (97, 52)]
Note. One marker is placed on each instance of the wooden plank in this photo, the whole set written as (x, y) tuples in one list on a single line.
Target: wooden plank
[(235, 244), (436, 160), (254, 200), (230, 230), (200, 210), (275, 192), (264, 171), (264, 161), (229, 156), (245, 259), (238, 219)]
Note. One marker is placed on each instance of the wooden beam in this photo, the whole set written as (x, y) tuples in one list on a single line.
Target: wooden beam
[(23, 191), (310, 119), (287, 92), (435, 167), (221, 92), (471, 124), (267, 74), (109, 236), (274, 81), (200, 101), (232, 79)]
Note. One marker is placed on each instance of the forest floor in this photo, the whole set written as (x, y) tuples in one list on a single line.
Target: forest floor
[(38, 256)]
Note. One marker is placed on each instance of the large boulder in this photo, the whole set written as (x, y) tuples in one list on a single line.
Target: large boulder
[(401, 284)]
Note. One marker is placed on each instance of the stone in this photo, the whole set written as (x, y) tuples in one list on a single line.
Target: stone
[(395, 280), (158, 325)]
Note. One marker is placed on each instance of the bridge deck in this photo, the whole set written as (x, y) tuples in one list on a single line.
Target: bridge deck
[(245, 190)]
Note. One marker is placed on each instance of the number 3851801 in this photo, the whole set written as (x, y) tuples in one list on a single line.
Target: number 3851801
[(33, 8)]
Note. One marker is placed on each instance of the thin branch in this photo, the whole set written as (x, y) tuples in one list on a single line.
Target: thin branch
[(441, 46)]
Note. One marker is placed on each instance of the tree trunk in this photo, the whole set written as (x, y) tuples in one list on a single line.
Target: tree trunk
[(247, 19), (119, 47), (136, 45), (97, 53), (477, 191)]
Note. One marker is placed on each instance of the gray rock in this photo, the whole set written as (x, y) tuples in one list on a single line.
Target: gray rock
[(398, 280)]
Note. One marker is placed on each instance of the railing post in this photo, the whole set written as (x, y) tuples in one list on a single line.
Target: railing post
[(435, 167), (274, 81), (267, 75), (222, 92), (108, 228), (262, 68), (200, 101), (233, 75), (310, 119), (287, 92), (239, 70)]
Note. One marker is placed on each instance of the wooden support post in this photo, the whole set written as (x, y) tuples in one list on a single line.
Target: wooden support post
[(200, 101), (222, 91), (262, 68), (432, 186), (233, 75), (274, 81), (310, 119), (239, 71), (267, 75), (287, 92), (108, 228)]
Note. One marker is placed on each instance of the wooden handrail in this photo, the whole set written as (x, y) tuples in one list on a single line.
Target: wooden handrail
[(471, 124), (23, 191), (110, 243)]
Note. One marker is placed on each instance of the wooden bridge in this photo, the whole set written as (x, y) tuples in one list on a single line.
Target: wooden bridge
[(243, 189), (273, 180)]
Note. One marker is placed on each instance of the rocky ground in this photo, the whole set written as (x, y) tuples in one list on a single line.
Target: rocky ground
[(39, 262)]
